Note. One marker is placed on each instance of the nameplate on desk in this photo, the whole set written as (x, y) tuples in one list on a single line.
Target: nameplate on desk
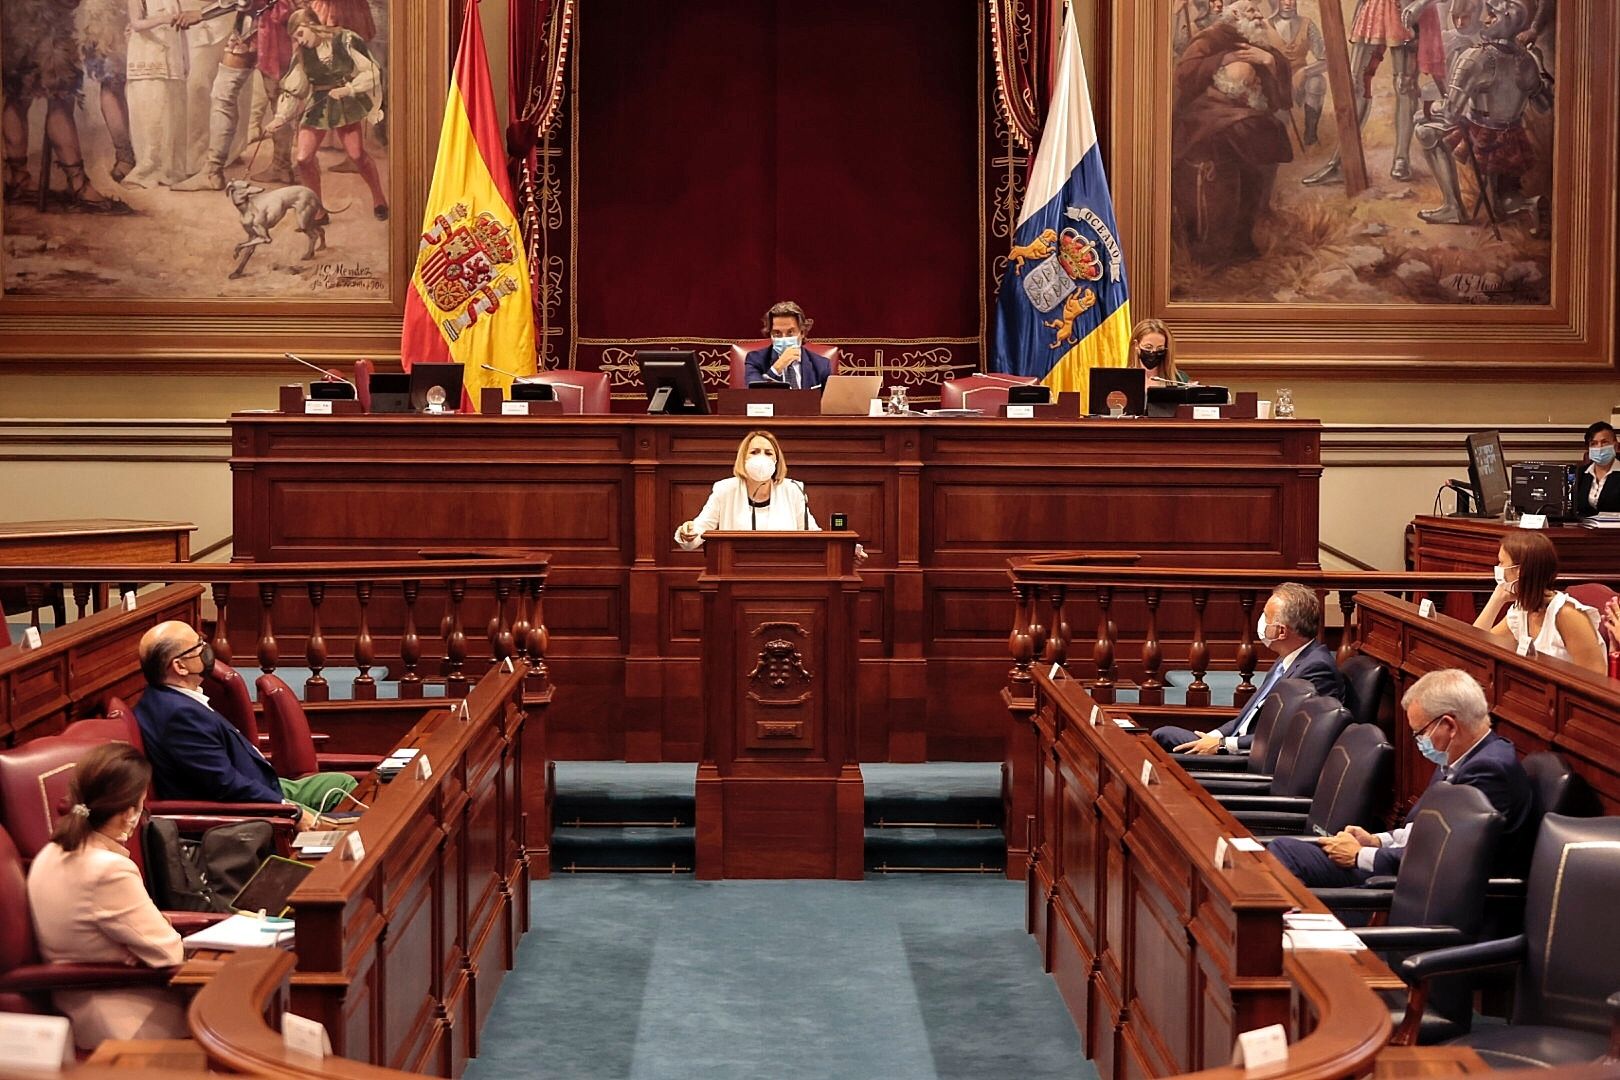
[(761, 408), (1020, 412), (1532, 521), (353, 848), (1426, 608), (129, 601), (302, 1035), (424, 768), (1262, 1048), (31, 638), (1149, 774), (507, 665), (464, 714), (1206, 412), (36, 1042), (1223, 853), (514, 408), (1057, 668), (1096, 715), (312, 407)]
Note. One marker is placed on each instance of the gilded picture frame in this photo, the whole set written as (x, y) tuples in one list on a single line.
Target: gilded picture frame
[(341, 301), (1366, 281)]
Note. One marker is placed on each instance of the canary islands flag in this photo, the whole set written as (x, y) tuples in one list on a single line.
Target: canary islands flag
[(1064, 306), (469, 300)]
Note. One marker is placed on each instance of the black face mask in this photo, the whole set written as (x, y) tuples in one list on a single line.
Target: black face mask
[(207, 657), (1152, 359)]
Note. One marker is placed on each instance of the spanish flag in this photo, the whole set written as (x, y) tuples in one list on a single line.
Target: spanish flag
[(469, 300)]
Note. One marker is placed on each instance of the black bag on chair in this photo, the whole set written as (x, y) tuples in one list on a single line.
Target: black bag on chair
[(204, 874)]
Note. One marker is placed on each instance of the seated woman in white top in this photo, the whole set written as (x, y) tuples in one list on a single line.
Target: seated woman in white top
[(89, 905), (1538, 618), (758, 496)]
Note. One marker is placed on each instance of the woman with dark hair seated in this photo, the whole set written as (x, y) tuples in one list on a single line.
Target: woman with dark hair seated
[(90, 906), (1540, 619), (1593, 493)]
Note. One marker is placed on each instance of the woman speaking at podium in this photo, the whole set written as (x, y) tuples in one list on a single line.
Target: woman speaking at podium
[(757, 496)]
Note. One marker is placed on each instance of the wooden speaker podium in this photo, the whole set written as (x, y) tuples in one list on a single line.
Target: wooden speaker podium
[(779, 791)]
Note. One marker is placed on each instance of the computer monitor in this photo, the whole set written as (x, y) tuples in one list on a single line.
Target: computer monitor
[(1029, 395), (390, 392), (1487, 472), (1130, 384), (446, 378), (532, 391), (673, 380)]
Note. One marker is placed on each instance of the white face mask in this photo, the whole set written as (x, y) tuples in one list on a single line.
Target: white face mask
[(1501, 574), (759, 468)]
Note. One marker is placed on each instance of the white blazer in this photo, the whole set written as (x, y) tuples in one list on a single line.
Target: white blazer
[(728, 509), (89, 905)]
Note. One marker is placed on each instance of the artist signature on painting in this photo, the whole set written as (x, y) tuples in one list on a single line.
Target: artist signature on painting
[(352, 277), (1480, 288)]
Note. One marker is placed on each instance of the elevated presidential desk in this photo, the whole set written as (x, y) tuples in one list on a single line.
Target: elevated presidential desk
[(940, 504)]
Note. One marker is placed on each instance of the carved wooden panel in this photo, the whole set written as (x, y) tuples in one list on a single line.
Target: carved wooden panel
[(781, 672)]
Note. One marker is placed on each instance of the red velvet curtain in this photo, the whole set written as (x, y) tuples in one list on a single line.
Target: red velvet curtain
[(735, 152)]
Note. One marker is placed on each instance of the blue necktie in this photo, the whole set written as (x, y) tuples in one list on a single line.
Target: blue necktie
[(1259, 698)]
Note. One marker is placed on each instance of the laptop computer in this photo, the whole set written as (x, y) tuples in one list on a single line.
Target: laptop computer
[(850, 395), (1130, 384), (270, 886)]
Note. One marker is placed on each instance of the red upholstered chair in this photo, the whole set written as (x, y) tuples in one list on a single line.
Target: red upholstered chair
[(985, 392), (34, 783), (25, 982), (581, 392), (737, 375), (363, 368), (5, 631), (292, 749)]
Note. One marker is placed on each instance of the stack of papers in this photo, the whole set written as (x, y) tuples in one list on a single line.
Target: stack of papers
[(1602, 521), (396, 761), (242, 932), (1319, 932)]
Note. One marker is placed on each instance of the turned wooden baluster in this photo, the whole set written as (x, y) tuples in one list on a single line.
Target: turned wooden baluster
[(500, 636), (269, 651), (520, 625), (1057, 642), (1103, 651), (1020, 644), (1152, 692), (1247, 654), (1198, 655), (315, 687), (455, 644), (1347, 636), (33, 596), (365, 650), (410, 645), (1037, 629), (81, 599), (539, 639), (222, 630)]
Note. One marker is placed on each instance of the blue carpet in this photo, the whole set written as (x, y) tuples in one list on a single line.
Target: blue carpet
[(1222, 685), (637, 977)]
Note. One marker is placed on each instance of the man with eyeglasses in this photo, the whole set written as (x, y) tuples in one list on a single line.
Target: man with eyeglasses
[(1446, 713), (195, 752)]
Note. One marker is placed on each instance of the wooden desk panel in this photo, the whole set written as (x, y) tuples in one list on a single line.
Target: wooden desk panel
[(1469, 545), (940, 505)]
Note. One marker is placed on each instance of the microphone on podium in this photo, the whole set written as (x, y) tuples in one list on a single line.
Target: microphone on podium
[(327, 375), (514, 376)]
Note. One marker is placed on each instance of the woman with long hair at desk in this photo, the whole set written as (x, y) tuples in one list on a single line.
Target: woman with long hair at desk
[(1538, 617)]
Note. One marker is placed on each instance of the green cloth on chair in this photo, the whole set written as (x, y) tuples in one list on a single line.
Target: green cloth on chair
[(314, 792)]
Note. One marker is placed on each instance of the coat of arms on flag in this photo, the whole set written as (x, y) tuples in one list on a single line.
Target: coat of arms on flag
[(464, 263)]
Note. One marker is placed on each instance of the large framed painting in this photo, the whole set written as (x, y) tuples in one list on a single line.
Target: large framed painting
[(213, 179), (1401, 184)]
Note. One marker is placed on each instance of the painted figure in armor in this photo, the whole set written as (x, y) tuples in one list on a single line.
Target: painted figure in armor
[(39, 58), (1302, 43), (1409, 34), (1193, 17), (333, 85), (1482, 126), (257, 42)]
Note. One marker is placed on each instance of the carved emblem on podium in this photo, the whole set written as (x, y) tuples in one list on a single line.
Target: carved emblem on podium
[(779, 680), (779, 664)]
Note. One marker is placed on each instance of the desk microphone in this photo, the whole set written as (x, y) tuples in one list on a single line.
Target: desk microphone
[(805, 495), (514, 376), (327, 375)]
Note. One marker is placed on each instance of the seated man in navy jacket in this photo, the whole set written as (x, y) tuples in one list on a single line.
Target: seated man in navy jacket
[(787, 359), (1288, 626), (195, 752), (1448, 716)]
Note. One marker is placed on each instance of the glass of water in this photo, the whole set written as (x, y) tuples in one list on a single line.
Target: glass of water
[(1285, 404)]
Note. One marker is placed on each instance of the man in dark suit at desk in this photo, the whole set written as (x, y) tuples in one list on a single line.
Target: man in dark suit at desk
[(1447, 714), (787, 359), (1288, 626), (195, 752)]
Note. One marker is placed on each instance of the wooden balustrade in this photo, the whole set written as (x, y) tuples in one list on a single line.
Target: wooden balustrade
[(1074, 588), (333, 608)]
